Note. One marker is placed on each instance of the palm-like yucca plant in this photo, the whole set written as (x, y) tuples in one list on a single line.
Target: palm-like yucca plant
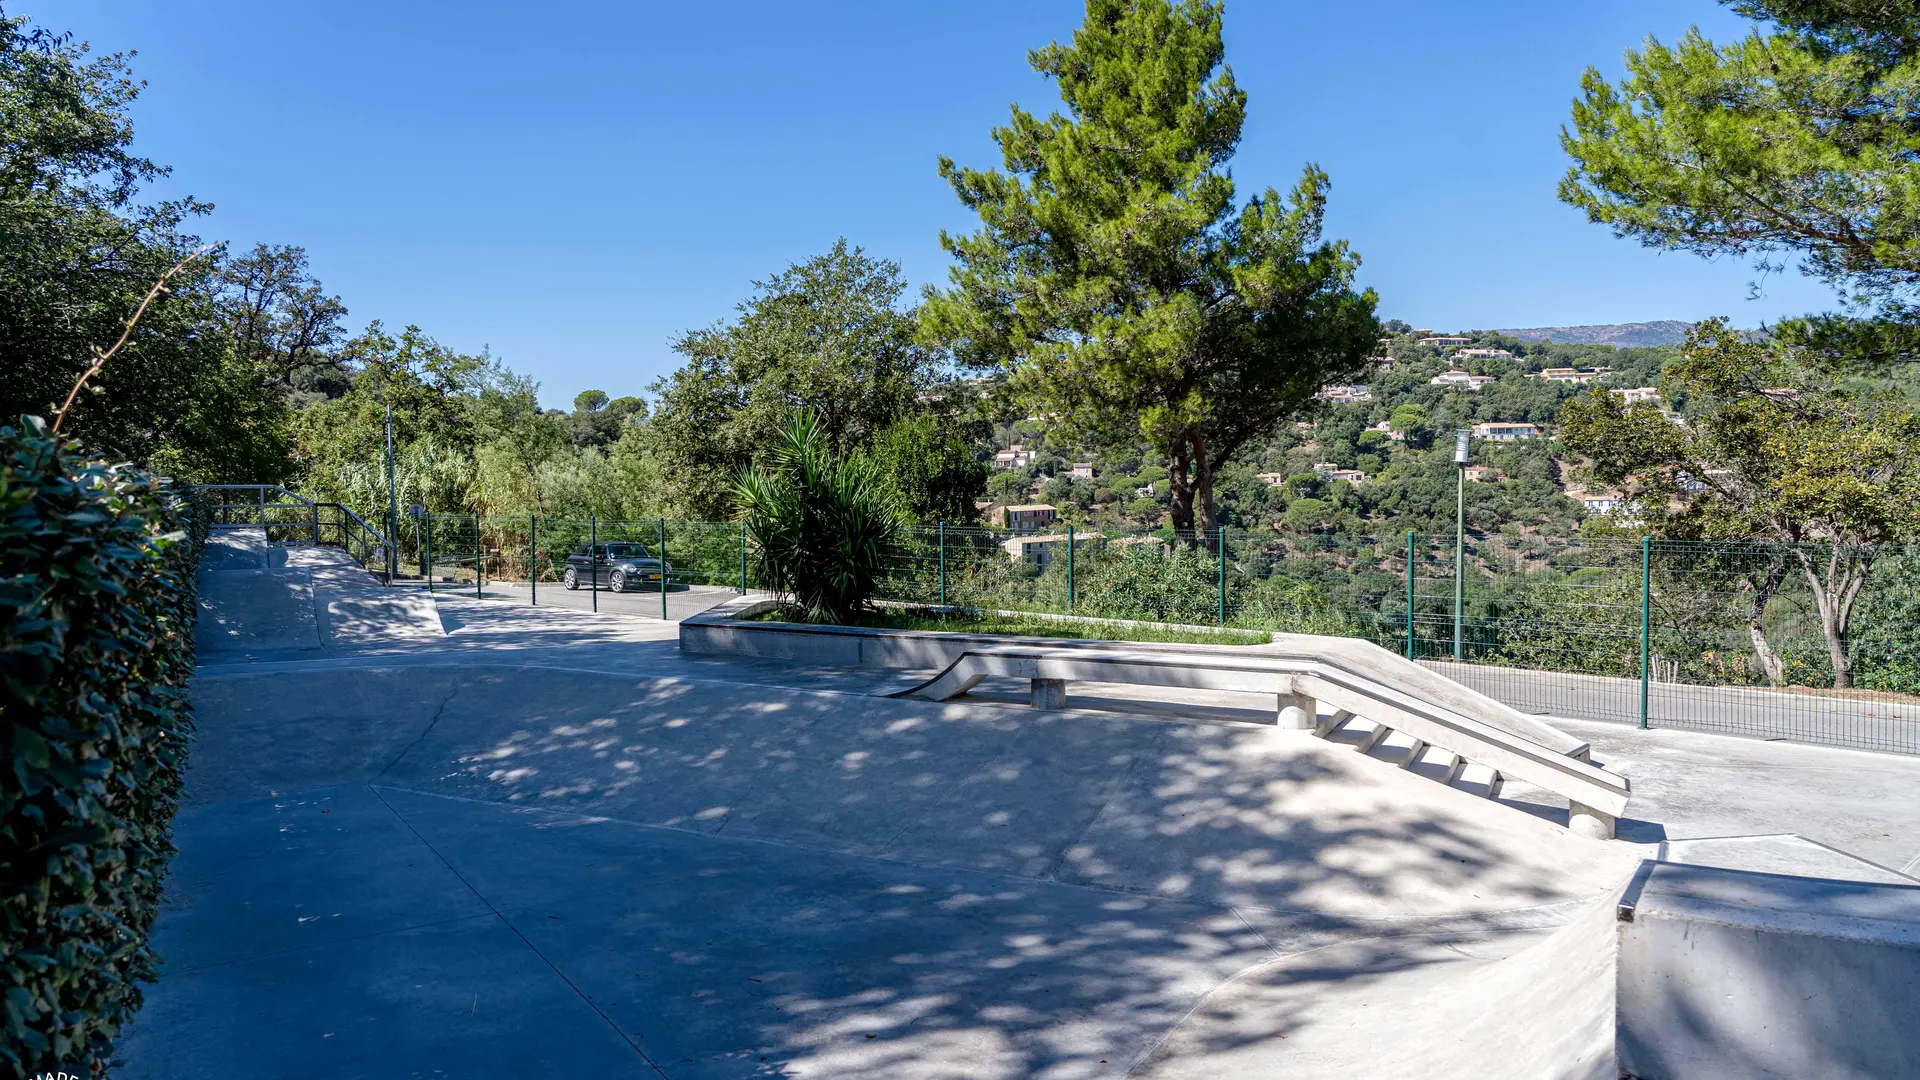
[(822, 525)]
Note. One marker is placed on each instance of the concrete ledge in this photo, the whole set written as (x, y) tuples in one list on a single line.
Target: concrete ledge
[(1732, 973), (726, 630)]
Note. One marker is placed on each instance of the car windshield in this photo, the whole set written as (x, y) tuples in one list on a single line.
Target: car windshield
[(626, 551)]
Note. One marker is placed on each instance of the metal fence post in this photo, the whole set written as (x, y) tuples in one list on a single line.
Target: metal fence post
[(426, 523), (943, 564), (1223, 575), (533, 557), (1069, 569), (593, 565), (1409, 594), (1646, 618), (477, 595), (1460, 569), (663, 569), (743, 558)]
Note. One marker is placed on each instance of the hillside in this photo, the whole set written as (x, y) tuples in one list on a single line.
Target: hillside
[(1625, 335)]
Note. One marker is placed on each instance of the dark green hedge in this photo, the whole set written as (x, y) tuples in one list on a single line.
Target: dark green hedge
[(97, 571)]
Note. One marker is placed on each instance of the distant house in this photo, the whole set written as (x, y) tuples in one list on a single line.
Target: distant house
[(1483, 354), (1446, 341), (1330, 472), (1271, 479), (1039, 549), (1460, 380), (1477, 473), (1501, 431), (1144, 491), (1635, 395), (1386, 429), (1082, 470), (1601, 502), (1014, 457), (1026, 517), (1345, 395), (1577, 376)]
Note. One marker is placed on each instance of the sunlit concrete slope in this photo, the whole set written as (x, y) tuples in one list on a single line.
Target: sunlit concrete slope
[(1516, 1006), (259, 602)]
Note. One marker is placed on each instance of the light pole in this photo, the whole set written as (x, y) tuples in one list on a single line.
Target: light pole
[(1461, 441), (393, 507)]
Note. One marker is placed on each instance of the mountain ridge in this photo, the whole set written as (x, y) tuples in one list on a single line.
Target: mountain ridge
[(1623, 335)]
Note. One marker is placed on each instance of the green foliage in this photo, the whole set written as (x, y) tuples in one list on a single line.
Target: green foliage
[(1772, 449), (825, 335), (1115, 277), (1177, 584), (78, 252), (97, 572), (1795, 139), (932, 467), (821, 524)]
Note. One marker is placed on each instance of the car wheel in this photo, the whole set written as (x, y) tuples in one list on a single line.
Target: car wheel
[(571, 579), (618, 581)]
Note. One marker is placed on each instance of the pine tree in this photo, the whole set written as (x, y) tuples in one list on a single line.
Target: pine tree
[(1117, 279)]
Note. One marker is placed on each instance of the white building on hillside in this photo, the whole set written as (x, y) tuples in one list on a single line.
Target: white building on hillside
[(1577, 376), (1504, 431), (1460, 380)]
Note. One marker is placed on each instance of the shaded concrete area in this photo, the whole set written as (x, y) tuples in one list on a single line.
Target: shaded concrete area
[(543, 843)]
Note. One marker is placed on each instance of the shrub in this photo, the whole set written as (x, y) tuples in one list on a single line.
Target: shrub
[(822, 527), (97, 609)]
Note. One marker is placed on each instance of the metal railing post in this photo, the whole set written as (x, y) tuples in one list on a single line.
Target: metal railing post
[(743, 558), (427, 525), (943, 563), (1409, 594), (1646, 618), (476, 558), (663, 569), (593, 565), (533, 557), (1069, 569), (1223, 575)]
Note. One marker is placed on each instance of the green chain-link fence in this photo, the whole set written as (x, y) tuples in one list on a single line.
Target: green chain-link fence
[(1727, 637)]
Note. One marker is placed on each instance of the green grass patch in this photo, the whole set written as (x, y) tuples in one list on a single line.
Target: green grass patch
[(1035, 626)]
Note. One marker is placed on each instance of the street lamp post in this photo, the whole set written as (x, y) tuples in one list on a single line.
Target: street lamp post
[(393, 507), (1461, 448)]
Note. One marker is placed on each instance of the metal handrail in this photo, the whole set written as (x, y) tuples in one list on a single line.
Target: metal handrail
[(352, 527)]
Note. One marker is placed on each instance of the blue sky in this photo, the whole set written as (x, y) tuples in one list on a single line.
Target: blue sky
[(573, 184)]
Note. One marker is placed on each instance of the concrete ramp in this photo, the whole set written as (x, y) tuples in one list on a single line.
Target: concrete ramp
[(261, 602), (1446, 1006)]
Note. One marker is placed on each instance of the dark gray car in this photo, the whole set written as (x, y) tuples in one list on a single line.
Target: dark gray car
[(619, 566)]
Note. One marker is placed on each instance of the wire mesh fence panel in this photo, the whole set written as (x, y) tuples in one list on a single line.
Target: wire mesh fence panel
[(1803, 642)]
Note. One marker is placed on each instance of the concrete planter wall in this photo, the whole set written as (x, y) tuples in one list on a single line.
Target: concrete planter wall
[(730, 630)]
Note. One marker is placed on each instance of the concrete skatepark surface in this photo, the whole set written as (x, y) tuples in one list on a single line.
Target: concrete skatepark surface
[(501, 841)]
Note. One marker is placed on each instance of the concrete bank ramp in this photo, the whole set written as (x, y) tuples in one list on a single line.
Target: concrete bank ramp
[(259, 602), (1525, 1006)]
